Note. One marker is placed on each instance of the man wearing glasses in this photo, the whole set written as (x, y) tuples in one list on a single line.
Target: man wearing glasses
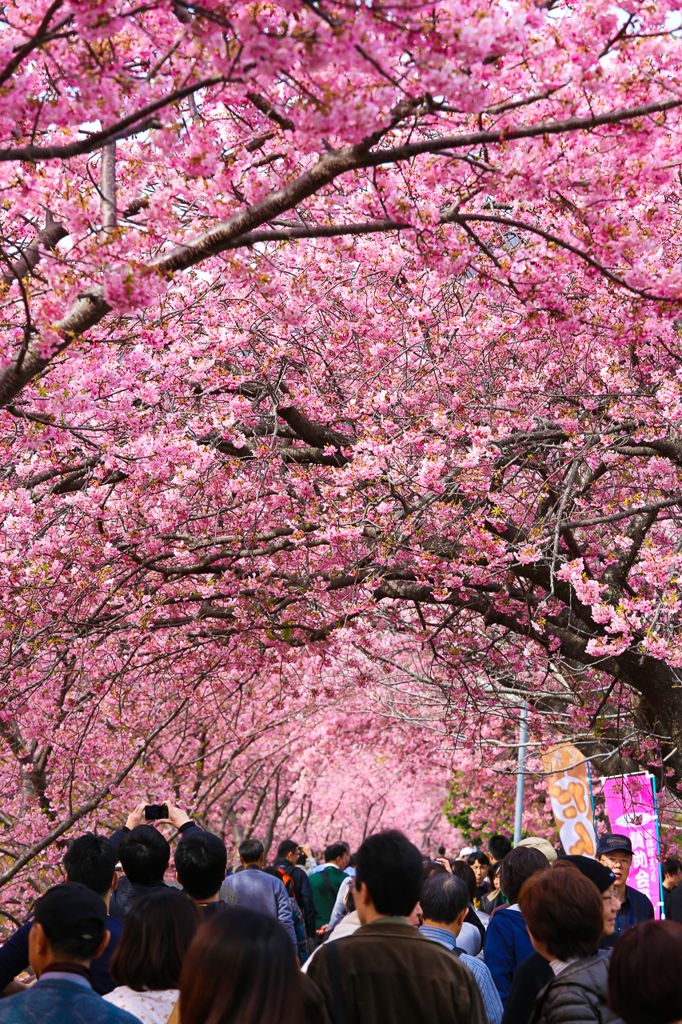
[(615, 853)]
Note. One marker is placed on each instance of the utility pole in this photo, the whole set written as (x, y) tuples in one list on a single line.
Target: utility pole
[(521, 772)]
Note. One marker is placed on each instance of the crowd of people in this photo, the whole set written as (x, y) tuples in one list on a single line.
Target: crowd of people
[(386, 935)]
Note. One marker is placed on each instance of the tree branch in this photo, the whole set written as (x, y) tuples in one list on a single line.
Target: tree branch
[(131, 125), (47, 238), (89, 805), (90, 308)]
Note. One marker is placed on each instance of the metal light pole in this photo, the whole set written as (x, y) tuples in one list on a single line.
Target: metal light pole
[(521, 772)]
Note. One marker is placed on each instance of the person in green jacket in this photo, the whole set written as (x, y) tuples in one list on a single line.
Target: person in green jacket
[(325, 883)]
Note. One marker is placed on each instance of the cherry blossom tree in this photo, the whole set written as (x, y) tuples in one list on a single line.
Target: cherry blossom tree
[(340, 376)]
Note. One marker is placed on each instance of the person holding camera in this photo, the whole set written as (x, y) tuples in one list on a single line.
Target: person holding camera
[(144, 852)]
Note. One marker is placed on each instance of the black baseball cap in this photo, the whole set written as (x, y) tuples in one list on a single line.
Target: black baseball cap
[(592, 869), (72, 911), (612, 841)]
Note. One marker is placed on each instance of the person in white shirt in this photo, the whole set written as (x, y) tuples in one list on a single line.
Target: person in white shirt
[(146, 964)]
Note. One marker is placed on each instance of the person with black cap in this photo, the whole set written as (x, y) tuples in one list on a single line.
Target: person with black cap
[(69, 930), (91, 861), (534, 972), (615, 852)]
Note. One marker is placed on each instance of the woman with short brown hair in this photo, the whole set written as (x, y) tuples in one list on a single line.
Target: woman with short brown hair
[(564, 914)]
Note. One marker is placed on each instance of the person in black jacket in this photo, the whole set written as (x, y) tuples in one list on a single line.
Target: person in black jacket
[(534, 972), (479, 863), (671, 869), (200, 867), (287, 856), (495, 897), (144, 854), (564, 915), (90, 861)]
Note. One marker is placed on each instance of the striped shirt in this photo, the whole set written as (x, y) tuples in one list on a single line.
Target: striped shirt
[(484, 980)]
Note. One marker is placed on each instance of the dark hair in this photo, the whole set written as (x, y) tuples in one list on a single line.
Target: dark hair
[(431, 867), (334, 851), (200, 863), (242, 967), (564, 910), (91, 860), (499, 846), (251, 850), (144, 854), (671, 866), (441, 851), (276, 873), (444, 897), (391, 868), (478, 857), (75, 947), (286, 847), (519, 865), (645, 971), (466, 873), (493, 870), (156, 935)]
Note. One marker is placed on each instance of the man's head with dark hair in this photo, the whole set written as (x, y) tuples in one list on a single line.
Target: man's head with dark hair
[(645, 972), (479, 863), (200, 864), (286, 848), (251, 851), (432, 867), (563, 911), (144, 854), (336, 852), (91, 861), (444, 898), (69, 923), (517, 866), (498, 847), (671, 870), (389, 873)]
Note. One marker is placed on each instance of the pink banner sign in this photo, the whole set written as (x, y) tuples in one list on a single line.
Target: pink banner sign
[(631, 806)]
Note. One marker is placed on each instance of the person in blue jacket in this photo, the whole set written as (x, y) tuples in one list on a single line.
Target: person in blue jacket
[(507, 941), (260, 892), (91, 861), (615, 852), (68, 932)]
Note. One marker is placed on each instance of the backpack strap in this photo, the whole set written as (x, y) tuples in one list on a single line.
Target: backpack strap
[(175, 1014), (337, 987), (328, 880)]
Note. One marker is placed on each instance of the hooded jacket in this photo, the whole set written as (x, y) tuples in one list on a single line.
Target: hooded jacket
[(577, 995), (507, 943)]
